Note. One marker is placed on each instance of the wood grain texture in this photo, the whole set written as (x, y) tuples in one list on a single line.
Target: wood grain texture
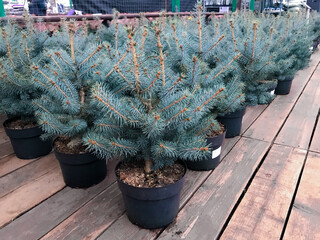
[(315, 144), (304, 220), (298, 128), (206, 212), (11, 163), (252, 113), (26, 174), (90, 220), (29, 195), (263, 210), (5, 149), (268, 124), (43, 218), (3, 137), (2, 119), (194, 179)]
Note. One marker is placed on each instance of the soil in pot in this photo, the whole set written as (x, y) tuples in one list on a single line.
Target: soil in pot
[(25, 138), (80, 169), (151, 200), (215, 139), (233, 122)]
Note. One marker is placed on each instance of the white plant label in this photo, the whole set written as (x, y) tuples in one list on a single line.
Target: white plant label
[(216, 153), (272, 92)]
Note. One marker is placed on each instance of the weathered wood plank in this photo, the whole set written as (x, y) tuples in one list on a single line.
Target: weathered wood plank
[(193, 181), (2, 119), (278, 110), (91, 219), (298, 128), (12, 163), (5, 149), (208, 209), (3, 137), (26, 174), (315, 144), (263, 210), (41, 219), (29, 195), (252, 113), (305, 215)]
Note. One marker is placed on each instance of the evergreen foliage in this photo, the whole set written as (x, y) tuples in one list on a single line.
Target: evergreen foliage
[(151, 112), (65, 78), (19, 48)]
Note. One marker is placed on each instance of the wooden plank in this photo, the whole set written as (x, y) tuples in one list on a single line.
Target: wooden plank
[(263, 210), (305, 215), (41, 219), (12, 163), (208, 209), (91, 219), (315, 144), (252, 113), (193, 181), (2, 119), (5, 149), (3, 137), (298, 128), (26, 174), (29, 195), (268, 124)]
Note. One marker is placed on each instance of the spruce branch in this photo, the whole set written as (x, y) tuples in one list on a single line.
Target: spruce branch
[(98, 49), (194, 60), (233, 37), (161, 57), (51, 82), (5, 76), (27, 50), (234, 58), (4, 34), (210, 99), (71, 41), (174, 103), (199, 14), (178, 114), (117, 64), (116, 19), (215, 44), (55, 62), (254, 39), (206, 128), (152, 84), (144, 36), (175, 34), (135, 61)]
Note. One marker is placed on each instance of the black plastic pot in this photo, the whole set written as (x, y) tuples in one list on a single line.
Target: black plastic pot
[(81, 170), (233, 122), (27, 143), (152, 207), (213, 161), (284, 86)]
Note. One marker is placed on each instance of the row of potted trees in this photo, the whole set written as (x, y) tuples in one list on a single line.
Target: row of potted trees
[(162, 95)]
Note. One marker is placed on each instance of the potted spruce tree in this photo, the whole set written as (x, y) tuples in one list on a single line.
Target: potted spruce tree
[(19, 48), (65, 77), (150, 114), (292, 48)]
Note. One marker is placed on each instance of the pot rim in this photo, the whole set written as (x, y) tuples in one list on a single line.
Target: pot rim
[(146, 188), (13, 129), (70, 154)]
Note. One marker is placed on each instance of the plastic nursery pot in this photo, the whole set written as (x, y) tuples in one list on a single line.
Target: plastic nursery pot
[(152, 207), (273, 85), (27, 143), (81, 170), (213, 161), (284, 86), (233, 122)]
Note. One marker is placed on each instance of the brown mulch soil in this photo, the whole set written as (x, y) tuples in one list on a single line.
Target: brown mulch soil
[(61, 145), (132, 173), (213, 134), (19, 124)]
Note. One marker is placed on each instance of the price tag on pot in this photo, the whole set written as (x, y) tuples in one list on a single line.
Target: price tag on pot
[(216, 153)]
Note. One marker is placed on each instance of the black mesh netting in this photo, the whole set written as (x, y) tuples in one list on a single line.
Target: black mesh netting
[(129, 6)]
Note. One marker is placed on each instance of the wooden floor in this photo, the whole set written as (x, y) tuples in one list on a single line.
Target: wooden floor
[(267, 185)]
